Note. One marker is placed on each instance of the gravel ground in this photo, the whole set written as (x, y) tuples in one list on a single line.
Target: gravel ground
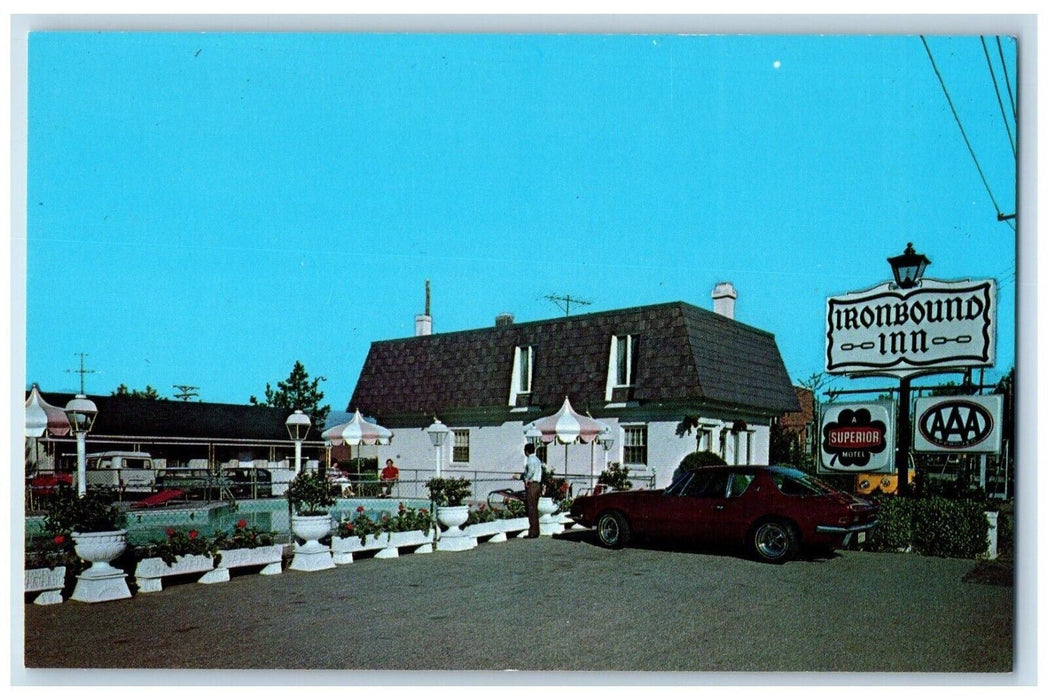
[(561, 604)]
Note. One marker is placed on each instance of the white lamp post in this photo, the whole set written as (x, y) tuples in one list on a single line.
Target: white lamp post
[(438, 433), (81, 412), (298, 427), (606, 440)]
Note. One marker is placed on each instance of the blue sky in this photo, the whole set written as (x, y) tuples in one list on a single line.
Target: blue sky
[(237, 202)]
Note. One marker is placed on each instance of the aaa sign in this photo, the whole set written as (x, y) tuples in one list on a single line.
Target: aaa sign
[(958, 424)]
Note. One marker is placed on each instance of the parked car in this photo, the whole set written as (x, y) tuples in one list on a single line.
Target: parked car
[(772, 510)]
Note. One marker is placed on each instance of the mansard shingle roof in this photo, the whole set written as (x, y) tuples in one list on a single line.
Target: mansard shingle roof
[(686, 354), (126, 416)]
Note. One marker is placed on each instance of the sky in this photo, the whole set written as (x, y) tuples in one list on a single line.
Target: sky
[(220, 205)]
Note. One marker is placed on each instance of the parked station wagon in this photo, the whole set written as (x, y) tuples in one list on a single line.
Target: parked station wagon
[(773, 511)]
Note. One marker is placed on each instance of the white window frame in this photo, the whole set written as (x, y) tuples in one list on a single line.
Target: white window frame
[(626, 430), (456, 434), (613, 363), (521, 354)]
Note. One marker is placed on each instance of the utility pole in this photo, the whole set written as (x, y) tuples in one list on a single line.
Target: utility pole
[(186, 392), (82, 371), (564, 302)]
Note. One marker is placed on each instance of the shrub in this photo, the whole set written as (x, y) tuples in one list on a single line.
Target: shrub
[(309, 493), (92, 512), (243, 537), (946, 528), (932, 526), (449, 491), (705, 458), (481, 514), (616, 476)]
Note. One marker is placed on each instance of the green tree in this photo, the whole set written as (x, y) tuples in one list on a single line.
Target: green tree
[(298, 392), (148, 393)]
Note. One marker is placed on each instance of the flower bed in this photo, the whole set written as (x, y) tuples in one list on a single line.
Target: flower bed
[(387, 534)]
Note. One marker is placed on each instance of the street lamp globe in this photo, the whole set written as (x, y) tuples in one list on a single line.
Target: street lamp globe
[(298, 427), (81, 412), (438, 433), (534, 436), (909, 267)]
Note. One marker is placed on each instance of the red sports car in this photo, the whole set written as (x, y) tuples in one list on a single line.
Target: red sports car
[(772, 510)]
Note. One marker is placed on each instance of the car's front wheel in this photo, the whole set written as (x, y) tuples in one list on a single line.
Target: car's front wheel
[(613, 530), (774, 541)]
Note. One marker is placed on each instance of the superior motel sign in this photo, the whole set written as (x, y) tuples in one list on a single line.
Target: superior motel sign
[(936, 326)]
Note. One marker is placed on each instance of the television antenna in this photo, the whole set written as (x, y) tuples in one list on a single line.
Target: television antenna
[(82, 371), (187, 391), (564, 302)]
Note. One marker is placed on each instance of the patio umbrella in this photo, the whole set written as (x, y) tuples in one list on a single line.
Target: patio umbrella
[(41, 418), (357, 431), (566, 426)]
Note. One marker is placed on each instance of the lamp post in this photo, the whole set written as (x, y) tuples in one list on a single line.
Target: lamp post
[(438, 432), (298, 427), (81, 412), (907, 269)]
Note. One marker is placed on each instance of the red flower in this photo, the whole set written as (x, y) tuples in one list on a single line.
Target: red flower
[(480, 507), (171, 532), (192, 534), (349, 526), (422, 511), (360, 509), (385, 517), (241, 523), (59, 539)]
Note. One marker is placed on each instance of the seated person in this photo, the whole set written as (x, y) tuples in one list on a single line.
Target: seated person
[(389, 477)]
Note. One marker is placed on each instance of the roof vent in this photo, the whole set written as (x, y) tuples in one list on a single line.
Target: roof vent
[(503, 319), (724, 296)]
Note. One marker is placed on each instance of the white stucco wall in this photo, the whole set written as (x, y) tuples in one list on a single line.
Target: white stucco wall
[(499, 450)]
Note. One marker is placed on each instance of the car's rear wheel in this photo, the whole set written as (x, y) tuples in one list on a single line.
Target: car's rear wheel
[(774, 541), (613, 530)]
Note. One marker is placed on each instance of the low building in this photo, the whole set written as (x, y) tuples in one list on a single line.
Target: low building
[(667, 378)]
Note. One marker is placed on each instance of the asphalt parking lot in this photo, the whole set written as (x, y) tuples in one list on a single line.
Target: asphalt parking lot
[(561, 604)]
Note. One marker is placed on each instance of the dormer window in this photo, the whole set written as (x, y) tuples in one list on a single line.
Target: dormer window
[(624, 359), (520, 380)]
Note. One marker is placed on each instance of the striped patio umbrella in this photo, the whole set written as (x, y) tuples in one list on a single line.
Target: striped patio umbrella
[(566, 426), (356, 432), (41, 417)]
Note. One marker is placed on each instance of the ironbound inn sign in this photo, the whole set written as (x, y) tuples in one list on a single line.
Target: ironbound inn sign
[(885, 330)]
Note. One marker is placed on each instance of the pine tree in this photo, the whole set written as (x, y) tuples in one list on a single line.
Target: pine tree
[(298, 392)]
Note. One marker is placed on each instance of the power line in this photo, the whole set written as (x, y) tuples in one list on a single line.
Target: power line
[(997, 91), (1007, 82), (967, 143)]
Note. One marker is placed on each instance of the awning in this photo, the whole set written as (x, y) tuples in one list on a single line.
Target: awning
[(41, 417)]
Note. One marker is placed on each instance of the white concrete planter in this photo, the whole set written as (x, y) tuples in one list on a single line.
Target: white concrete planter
[(419, 542), (546, 509), (267, 556), (311, 555), (515, 527), (150, 572), (343, 548), (47, 582), (101, 581), (991, 536), (452, 517), (548, 523)]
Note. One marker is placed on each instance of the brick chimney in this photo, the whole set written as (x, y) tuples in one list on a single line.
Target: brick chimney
[(424, 322), (724, 296)]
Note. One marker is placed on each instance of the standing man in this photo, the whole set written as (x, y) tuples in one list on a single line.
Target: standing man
[(532, 477)]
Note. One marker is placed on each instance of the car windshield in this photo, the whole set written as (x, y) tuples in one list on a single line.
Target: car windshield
[(797, 483)]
